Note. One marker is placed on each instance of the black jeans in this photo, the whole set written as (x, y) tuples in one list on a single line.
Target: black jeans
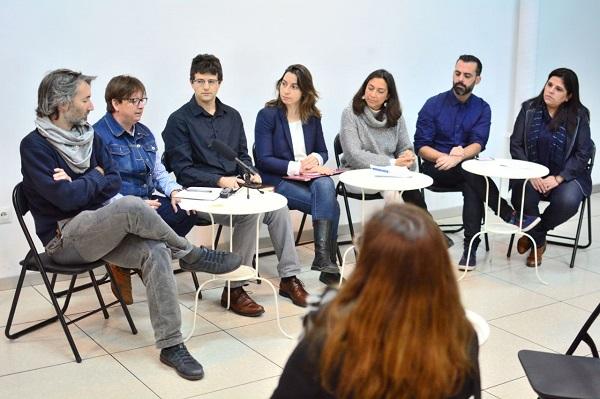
[(472, 187), (564, 203)]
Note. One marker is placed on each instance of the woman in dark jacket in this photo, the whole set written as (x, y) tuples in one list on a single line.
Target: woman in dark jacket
[(553, 129), (396, 329), (289, 142)]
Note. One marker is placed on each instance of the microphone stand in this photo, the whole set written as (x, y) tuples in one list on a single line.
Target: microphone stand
[(249, 184)]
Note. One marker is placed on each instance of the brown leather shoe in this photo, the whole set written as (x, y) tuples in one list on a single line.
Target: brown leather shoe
[(123, 280), (530, 259), (241, 303), (293, 288), (523, 244)]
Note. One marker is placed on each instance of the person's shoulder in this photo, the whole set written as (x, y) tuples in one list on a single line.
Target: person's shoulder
[(182, 112), (436, 100), (267, 111), (33, 138)]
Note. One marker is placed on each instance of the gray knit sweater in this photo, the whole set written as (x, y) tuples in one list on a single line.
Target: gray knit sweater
[(366, 141)]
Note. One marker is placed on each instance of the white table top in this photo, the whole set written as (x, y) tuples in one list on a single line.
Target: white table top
[(364, 178), (505, 168), (238, 204)]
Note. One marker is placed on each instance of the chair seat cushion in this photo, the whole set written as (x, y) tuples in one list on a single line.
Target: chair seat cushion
[(52, 267), (561, 376)]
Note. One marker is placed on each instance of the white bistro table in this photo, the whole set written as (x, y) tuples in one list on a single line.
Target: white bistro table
[(504, 169), (365, 179), (238, 204)]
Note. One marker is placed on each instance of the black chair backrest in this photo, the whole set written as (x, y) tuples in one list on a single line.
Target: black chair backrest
[(592, 157), (165, 161), (21, 206), (337, 149)]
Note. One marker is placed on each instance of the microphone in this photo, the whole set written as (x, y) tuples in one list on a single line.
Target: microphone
[(226, 151)]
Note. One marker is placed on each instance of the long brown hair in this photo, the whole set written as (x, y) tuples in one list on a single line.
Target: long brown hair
[(397, 328), (309, 97), (391, 109)]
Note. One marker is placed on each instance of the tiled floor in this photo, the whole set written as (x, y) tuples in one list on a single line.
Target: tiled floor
[(243, 357)]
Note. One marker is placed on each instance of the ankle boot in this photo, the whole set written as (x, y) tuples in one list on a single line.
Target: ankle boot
[(323, 256)]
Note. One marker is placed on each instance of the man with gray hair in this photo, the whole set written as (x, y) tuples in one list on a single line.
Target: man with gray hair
[(68, 175)]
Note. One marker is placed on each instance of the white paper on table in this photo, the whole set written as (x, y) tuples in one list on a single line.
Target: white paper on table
[(390, 171), (200, 193)]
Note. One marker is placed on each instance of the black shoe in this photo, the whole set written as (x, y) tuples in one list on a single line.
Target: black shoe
[(330, 278), (449, 240), (184, 364), (202, 259)]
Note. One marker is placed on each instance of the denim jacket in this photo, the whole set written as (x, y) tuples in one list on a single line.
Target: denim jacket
[(136, 158)]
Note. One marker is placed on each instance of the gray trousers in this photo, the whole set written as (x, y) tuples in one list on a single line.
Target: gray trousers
[(130, 234), (280, 231)]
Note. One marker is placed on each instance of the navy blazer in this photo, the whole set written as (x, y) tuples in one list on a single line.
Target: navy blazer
[(273, 141)]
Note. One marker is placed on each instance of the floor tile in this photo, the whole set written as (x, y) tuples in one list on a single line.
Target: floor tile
[(266, 339), (114, 334), (518, 388), (210, 307), (553, 326), (101, 377), (47, 346), (563, 282), (254, 390), (587, 302), (226, 361), (498, 360), (32, 306), (492, 297)]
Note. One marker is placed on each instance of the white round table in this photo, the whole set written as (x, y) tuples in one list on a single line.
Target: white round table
[(504, 169), (238, 204), (365, 179)]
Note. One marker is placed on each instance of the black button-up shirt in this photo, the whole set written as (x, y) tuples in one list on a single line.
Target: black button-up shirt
[(188, 138)]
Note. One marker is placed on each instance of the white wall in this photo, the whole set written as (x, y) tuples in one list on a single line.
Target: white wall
[(569, 36), (339, 41)]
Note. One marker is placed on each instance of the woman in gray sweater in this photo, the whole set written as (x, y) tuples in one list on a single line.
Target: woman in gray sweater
[(374, 132)]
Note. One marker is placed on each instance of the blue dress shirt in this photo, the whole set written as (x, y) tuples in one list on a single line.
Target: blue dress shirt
[(444, 122)]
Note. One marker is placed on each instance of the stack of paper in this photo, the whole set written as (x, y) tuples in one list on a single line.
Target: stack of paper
[(200, 193)]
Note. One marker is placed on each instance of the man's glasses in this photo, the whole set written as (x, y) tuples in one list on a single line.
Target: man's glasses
[(137, 101), (202, 82)]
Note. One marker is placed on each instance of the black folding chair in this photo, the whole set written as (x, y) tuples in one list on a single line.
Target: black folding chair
[(570, 241), (556, 376), (341, 187), (41, 263)]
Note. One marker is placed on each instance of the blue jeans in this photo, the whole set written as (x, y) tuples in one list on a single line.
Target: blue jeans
[(316, 197), (564, 203)]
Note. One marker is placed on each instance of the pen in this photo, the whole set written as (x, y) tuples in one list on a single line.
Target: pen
[(199, 190)]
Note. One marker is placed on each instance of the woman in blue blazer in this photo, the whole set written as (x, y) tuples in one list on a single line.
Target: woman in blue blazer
[(289, 142)]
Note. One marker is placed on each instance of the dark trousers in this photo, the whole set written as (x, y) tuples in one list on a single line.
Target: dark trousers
[(473, 190), (564, 203), (180, 222)]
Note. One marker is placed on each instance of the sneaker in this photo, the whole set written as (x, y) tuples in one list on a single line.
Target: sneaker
[(184, 364), (529, 221), (462, 263), (202, 259)]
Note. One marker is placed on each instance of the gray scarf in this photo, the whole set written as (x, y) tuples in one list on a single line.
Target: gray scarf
[(74, 146), (369, 116)]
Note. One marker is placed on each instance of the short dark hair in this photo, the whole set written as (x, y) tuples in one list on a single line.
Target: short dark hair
[(471, 58), (57, 88), (121, 87), (206, 63), (391, 109)]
